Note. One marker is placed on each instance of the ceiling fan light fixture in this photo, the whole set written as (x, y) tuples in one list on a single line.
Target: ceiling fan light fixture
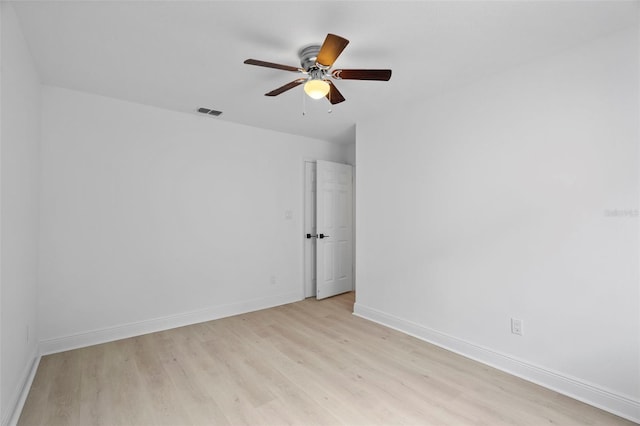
[(316, 89), (316, 66)]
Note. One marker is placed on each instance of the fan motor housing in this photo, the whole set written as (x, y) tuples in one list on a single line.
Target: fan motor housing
[(308, 56)]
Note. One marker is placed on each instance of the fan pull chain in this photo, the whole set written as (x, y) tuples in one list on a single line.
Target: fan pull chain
[(304, 104)]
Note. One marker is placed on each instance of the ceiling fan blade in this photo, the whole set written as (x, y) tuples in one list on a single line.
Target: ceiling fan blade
[(331, 48), (381, 75), (272, 65), (286, 87), (334, 95)]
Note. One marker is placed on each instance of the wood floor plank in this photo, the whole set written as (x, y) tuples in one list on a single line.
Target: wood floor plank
[(306, 363), (63, 399), (35, 407)]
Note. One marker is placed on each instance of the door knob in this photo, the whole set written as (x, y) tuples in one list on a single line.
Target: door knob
[(321, 236), (311, 236)]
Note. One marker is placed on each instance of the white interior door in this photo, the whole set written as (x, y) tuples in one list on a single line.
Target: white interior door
[(334, 224)]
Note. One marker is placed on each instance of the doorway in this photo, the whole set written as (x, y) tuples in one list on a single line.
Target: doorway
[(328, 228)]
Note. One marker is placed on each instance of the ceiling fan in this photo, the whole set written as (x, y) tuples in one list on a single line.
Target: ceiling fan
[(316, 62)]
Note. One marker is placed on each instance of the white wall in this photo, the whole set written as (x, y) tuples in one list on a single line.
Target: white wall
[(495, 201), (152, 218), (20, 119)]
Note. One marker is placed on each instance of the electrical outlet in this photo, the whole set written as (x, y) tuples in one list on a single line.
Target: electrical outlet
[(273, 280), (516, 326), (28, 334)]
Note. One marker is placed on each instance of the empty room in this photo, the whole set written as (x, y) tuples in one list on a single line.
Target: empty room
[(319, 212)]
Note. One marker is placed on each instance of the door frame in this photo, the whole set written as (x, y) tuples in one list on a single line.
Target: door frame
[(302, 230), (305, 243)]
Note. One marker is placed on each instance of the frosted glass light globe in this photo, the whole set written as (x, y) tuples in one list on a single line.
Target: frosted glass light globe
[(316, 89)]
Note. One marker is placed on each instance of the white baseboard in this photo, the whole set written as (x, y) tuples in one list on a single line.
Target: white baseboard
[(109, 334), (619, 405), (11, 416)]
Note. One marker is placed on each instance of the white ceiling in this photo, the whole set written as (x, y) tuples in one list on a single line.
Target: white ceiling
[(182, 55)]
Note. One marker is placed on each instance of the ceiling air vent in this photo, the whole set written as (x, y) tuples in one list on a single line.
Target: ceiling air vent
[(209, 111)]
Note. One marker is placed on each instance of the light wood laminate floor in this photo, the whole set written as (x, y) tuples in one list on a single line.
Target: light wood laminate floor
[(305, 363)]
